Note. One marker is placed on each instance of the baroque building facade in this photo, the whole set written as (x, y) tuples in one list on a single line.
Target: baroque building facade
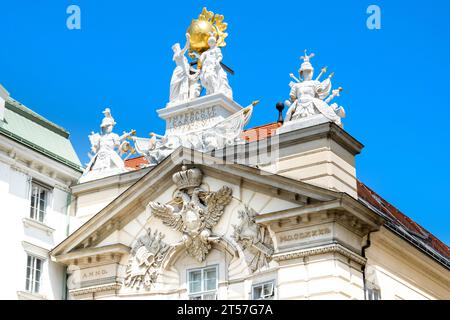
[(276, 238), (37, 167), (210, 210)]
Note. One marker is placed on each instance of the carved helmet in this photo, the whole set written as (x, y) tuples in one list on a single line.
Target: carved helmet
[(108, 120), (306, 65)]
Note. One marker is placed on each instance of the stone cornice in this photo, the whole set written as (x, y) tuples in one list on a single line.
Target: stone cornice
[(20, 158), (95, 289), (332, 248), (203, 102), (300, 136), (329, 129), (294, 212), (25, 295), (28, 222), (344, 202), (109, 182), (35, 250), (80, 254)]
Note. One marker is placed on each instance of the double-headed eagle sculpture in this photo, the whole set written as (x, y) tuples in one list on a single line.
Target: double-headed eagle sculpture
[(193, 211)]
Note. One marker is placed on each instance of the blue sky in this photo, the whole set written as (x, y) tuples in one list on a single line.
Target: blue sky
[(395, 79)]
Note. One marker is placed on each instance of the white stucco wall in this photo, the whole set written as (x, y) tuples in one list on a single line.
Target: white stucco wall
[(401, 272), (20, 236)]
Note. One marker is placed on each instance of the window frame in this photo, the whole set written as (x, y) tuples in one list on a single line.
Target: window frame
[(202, 293), (373, 292), (30, 282), (262, 284), (34, 211)]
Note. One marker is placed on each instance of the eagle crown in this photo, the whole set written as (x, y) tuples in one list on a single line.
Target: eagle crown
[(187, 178)]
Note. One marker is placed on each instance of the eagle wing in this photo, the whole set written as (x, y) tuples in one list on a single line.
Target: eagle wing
[(215, 203), (166, 214)]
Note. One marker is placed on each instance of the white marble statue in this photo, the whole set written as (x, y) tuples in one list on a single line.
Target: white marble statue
[(184, 84), (105, 148), (212, 75), (224, 133), (309, 97)]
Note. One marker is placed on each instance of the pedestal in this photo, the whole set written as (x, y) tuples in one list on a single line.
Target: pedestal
[(303, 123), (200, 113)]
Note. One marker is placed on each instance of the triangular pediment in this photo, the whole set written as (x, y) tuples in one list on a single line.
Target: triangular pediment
[(249, 185)]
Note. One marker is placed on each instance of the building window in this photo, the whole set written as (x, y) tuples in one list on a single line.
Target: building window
[(203, 283), (38, 206), (34, 270), (373, 293), (263, 291)]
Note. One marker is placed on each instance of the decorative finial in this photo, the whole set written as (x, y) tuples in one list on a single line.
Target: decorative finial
[(306, 57), (306, 65), (322, 72), (280, 108), (200, 30)]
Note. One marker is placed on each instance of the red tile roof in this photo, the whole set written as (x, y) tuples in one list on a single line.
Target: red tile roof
[(364, 193), (260, 132), (135, 163)]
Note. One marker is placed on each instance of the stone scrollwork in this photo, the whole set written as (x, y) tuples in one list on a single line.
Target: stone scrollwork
[(146, 257), (253, 239), (193, 211)]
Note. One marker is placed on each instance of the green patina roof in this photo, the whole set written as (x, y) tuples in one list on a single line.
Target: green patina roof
[(29, 128)]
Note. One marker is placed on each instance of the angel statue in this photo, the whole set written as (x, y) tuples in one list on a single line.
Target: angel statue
[(212, 75), (309, 97), (193, 211), (104, 146), (184, 84)]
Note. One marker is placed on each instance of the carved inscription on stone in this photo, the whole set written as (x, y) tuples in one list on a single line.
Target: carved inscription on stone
[(93, 276), (193, 120), (287, 238)]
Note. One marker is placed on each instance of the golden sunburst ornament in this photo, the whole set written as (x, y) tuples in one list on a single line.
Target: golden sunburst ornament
[(201, 28)]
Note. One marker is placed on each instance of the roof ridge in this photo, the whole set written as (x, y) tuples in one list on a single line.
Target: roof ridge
[(262, 126), (41, 150), (34, 116)]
